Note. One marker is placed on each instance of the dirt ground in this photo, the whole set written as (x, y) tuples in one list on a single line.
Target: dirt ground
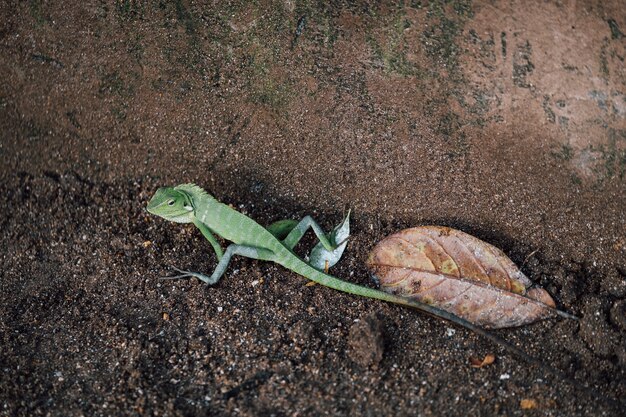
[(506, 120)]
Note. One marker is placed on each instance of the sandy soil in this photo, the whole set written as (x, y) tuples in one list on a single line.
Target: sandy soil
[(506, 120)]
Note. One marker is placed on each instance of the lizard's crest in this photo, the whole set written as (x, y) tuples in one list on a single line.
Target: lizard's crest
[(172, 204), (192, 190)]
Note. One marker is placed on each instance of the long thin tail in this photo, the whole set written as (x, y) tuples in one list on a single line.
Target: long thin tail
[(306, 270), (302, 268)]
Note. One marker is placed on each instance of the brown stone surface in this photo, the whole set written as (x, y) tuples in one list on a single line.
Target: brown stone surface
[(367, 341)]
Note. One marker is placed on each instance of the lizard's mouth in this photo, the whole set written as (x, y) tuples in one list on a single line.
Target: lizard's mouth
[(152, 205), (170, 205), (159, 200)]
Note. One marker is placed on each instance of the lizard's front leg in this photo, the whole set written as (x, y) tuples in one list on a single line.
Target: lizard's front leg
[(206, 232), (234, 249)]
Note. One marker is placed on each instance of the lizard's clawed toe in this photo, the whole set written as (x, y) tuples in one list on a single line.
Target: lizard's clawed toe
[(186, 274)]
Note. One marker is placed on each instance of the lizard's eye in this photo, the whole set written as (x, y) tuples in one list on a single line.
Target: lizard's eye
[(170, 203)]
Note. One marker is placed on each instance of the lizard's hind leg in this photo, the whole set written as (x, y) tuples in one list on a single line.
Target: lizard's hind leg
[(247, 251), (330, 247), (301, 228), (187, 274), (234, 249), (281, 228)]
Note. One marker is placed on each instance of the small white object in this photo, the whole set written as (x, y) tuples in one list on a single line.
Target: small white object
[(450, 332), (504, 376), (320, 258)]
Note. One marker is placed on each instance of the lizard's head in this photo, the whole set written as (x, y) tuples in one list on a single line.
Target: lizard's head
[(172, 204)]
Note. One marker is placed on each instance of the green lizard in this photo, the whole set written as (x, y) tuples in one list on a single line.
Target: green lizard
[(188, 203)]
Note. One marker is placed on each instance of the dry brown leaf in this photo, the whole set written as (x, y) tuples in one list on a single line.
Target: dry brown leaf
[(528, 404), (461, 274), (487, 360)]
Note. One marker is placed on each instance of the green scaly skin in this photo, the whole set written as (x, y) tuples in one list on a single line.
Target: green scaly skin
[(188, 203)]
